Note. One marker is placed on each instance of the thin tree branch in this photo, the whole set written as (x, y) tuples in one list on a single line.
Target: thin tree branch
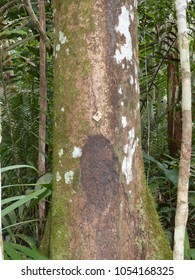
[(6, 6), (36, 22)]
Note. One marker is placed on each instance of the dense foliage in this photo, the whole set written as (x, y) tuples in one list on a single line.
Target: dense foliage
[(19, 91)]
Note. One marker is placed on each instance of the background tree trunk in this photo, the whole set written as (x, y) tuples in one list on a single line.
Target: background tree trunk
[(185, 157), (174, 107), (101, 207), (1, 238), (42, 108)]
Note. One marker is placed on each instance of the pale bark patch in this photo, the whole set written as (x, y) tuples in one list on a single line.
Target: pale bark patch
[(68, 177), (124, 51), (129, 149), (61, 152), (77, 152)]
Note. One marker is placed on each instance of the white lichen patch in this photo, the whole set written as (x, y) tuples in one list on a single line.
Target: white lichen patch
[(132, 16), (120, 90), (138, 90), (62, 38), (124, 121), (129, 150), (124, 51), (57, 47), (136, 86), (61, 152), (136, 70), (68, 177), (121, 205), (131, 80), (125, 148), (131, 12), (58, 177), (77, 152)]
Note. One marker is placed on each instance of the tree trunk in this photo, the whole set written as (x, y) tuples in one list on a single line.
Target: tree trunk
[(101, 207), (174, 107), (42, 108), (1, 238), (184, 165)]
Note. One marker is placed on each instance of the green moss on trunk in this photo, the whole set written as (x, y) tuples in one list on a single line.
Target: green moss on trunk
[(76, 223)]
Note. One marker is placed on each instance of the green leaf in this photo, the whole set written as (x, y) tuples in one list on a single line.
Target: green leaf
[(45, 181), (186, 247), (9, 34), (192, 198), (7, 168), (192, 254), (43, 195), (11, 252), (10, 199), (30, 253), (171, 174), (22, 201), (20, 252), (7, 227), (28, 240)]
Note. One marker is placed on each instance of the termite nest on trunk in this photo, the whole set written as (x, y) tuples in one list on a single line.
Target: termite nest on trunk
[(99, 176)]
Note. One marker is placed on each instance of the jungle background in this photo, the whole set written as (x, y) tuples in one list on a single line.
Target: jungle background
[(23, 186)]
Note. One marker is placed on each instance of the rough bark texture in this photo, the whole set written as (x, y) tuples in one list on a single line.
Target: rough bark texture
[(101, 207), (184, 165), (174, 107), (42, 108)]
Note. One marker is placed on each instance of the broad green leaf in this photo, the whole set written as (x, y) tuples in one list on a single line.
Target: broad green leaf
[(171, 174), (45, 179)]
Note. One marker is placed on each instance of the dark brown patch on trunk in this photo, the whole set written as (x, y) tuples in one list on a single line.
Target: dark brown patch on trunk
[(99, 177)]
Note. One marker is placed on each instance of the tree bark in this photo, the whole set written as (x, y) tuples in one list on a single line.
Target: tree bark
[(1, 93), (174, 107), (42, 106), (32, 15), (184, 165), (101, 207)]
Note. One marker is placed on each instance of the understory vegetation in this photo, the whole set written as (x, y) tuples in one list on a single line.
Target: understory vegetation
[(160, 94)]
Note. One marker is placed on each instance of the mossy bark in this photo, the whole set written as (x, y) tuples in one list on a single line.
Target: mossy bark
[(101, 207)]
